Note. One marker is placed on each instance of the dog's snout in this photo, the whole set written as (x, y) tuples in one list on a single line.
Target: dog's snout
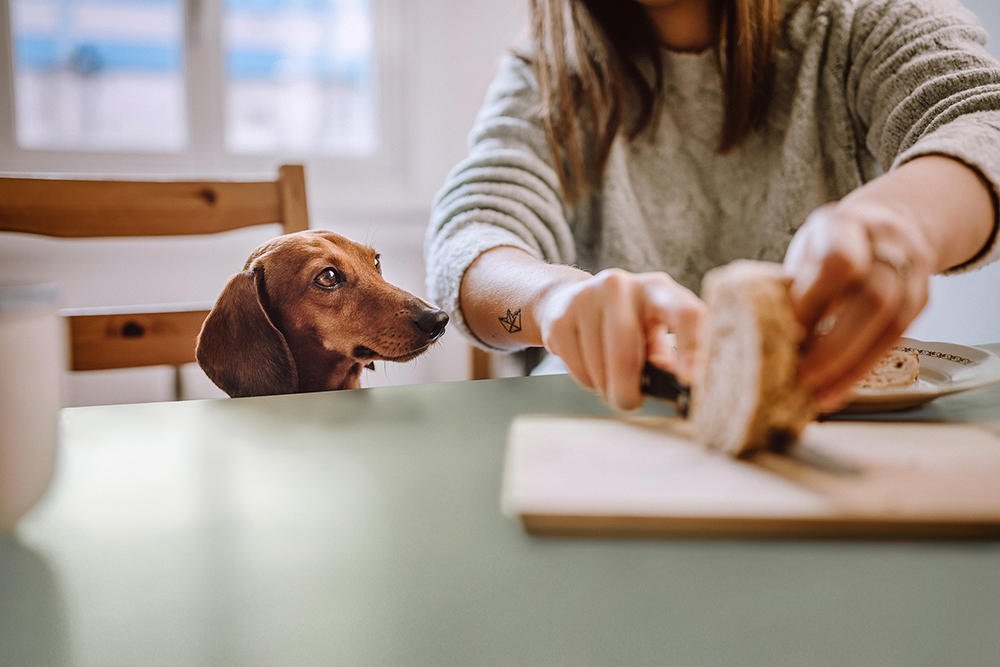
[(432, 322)]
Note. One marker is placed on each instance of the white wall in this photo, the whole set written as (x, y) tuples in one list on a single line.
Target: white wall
[(455, 49)]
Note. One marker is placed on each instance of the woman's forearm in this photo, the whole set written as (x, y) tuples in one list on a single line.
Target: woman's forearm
[(501, 293), (949, 200)]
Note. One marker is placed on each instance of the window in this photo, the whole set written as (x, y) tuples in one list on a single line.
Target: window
[(198, 78), (99, 75), (299, 75)]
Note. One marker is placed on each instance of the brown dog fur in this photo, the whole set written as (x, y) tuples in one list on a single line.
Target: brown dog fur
[(307, 312)]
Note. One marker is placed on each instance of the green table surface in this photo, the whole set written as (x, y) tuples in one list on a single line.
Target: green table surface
[(364, 528)]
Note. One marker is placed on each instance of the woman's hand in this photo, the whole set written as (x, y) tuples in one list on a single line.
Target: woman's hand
[(605, 327), (860, 274)]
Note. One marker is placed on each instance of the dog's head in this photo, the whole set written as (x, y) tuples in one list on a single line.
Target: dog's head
[(306, 313)]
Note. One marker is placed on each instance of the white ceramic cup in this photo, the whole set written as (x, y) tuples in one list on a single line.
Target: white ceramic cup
[(32, 362)]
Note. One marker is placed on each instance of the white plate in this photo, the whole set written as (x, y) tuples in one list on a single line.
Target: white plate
[(945, 368)]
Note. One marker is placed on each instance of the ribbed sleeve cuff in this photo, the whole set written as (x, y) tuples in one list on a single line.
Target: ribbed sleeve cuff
[(974, 140), (451, 258)]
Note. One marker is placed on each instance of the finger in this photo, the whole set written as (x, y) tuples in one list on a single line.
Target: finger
[(834, 257), (591, 338), (624, 350), (674, 306), (795, 255), (688, 329), (834, 396), (839, 390), (661, 350), (867, 313)]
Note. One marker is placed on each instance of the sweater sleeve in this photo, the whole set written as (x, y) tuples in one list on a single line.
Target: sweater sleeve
[(921, 82), (505, 193)]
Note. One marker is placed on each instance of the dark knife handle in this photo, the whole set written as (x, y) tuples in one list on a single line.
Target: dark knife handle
[(662, 384)]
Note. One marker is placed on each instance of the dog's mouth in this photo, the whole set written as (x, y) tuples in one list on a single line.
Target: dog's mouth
[(368, 354)]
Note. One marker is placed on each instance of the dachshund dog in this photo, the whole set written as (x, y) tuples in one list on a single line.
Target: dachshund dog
[(308, 311)]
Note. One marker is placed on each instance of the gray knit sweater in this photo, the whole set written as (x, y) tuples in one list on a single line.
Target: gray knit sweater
[(863, 86)]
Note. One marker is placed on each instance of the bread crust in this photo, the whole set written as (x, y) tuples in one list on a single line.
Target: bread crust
[(747, 396)]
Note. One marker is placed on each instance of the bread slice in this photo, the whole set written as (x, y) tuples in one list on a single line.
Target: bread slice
[(899, 368), (746, 396)]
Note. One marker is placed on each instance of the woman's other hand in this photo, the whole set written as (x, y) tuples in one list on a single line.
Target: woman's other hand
[(605, 327), (860, 275)]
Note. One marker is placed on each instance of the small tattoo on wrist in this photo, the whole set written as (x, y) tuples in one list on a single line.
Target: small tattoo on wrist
[(511, 321)]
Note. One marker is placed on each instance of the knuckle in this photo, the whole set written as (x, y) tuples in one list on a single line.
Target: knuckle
[(690, 313), (820, 215), (660, 279), (612, 281), (613, 275)]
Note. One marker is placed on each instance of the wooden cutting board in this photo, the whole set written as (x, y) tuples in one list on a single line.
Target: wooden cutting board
[(645, 476)]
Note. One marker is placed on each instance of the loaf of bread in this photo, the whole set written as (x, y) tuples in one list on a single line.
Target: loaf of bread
[(899, 368), (746, 395)]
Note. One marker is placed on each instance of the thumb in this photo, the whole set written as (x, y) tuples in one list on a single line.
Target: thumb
[(677, 309)]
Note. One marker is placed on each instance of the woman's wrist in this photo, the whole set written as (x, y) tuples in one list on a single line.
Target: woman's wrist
[(504, 293), (948, 203)]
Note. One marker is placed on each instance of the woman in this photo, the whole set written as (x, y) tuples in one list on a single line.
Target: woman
[(635, 145)]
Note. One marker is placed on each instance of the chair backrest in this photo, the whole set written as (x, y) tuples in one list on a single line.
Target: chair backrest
[(75, 208)]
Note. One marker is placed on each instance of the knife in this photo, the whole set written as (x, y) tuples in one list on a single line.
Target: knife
[(664, 385)]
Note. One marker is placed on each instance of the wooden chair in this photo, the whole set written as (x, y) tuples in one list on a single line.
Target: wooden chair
[(480, 364), (149, 335), (485, 365)]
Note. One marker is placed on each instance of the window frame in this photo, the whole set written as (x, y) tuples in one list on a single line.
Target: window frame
[(205, 153)]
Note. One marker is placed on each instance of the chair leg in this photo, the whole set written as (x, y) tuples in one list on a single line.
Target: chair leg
[(480, 364), (178, 384)]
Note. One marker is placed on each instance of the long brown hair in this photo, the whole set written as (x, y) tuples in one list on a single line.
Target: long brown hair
[(599, 71)]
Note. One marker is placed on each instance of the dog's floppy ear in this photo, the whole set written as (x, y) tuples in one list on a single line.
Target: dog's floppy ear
[(240, 348)]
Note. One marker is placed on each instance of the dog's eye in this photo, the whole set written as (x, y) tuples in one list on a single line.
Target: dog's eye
[(378, 263), (328, 278)]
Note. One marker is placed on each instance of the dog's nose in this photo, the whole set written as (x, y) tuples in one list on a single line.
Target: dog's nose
[(432, 322)]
